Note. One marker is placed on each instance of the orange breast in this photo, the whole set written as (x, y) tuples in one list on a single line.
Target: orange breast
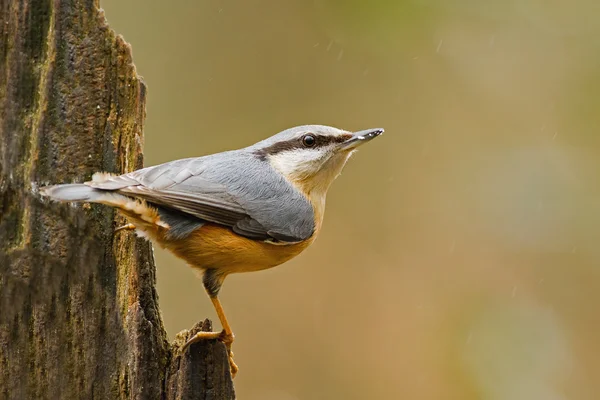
[(213, 246)]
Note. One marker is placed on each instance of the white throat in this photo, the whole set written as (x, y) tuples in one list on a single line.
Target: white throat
[(311, 172)]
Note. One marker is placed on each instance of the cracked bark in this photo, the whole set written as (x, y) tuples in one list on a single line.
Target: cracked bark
[(79, 313)]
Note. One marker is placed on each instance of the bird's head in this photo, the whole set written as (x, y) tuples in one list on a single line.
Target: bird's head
[(312, 156)]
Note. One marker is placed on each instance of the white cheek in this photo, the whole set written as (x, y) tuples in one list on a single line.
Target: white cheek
[(299, 163), (313, 171)]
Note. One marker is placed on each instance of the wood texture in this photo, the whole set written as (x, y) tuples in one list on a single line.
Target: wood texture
[(79, 315)]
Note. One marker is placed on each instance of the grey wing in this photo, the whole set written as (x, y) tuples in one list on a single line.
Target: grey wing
[(235, 190)]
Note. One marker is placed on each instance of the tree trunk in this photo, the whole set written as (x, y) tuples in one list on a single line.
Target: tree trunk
[(79, 315)]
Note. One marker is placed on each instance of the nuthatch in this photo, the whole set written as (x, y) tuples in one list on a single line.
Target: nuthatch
[(236, 211)]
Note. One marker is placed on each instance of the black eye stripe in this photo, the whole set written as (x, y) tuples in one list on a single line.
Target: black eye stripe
[(297, 143), (322, 140)]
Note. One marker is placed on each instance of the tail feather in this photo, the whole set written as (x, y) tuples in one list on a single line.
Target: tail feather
[(144, 216), (72, 192)]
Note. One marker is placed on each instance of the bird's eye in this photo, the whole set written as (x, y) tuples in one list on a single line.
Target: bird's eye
[(309, 140)]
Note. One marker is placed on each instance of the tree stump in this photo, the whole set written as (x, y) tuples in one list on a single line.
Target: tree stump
[(79, 315)]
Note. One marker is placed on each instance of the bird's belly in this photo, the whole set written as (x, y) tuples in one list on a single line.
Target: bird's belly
[(214, 246)]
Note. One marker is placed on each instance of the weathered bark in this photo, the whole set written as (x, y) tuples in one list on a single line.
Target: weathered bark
[(79, 314), (208, 361)]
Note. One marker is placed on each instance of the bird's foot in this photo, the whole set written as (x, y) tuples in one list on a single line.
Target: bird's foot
[(232, 365), (224, 337), (128, 227)]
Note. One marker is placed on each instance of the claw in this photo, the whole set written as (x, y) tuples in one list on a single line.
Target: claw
[(232, 366), (128, 227), (201, 336), (224, 337)]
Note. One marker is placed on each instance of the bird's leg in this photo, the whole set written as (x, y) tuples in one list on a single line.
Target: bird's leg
[(212, 283), (226, 335), (128, 227)]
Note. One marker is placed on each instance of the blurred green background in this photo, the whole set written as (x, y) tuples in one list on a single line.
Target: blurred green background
[(459, 256)]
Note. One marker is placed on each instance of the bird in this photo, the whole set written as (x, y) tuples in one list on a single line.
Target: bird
[(236, 211)]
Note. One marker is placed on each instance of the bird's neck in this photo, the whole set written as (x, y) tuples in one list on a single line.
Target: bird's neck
[(317, 200), (316, 192), (315, 188)]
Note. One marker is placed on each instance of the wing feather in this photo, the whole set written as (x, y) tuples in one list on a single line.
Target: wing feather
[(207, 207), (237, 191)]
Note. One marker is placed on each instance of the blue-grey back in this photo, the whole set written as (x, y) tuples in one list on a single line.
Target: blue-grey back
[(240, 183)]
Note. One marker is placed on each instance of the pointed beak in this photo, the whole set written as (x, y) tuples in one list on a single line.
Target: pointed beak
[(361, 137)]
